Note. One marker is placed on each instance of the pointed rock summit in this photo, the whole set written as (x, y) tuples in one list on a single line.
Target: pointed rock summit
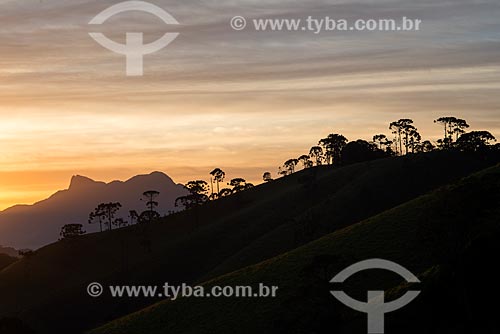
[(79, 182)]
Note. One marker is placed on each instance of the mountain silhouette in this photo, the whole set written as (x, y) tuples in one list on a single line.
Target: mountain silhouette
[(32, 226)]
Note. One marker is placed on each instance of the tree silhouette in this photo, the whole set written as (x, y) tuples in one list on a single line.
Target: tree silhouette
[(333, 145), (402, 129), (459, 127), (218, 176), (379, 140), (408, 130), (452, 126), (445, 121), (306, 161), (151, 214), (110, 211), (475, 141), (134, 216), (239, 184), (316, 153), (388, 147), (197, 196), (361, 150), (267, 177), (225, 192), (396, 129), (383, 143), (120, 222), (150, 196), (105, 213), (97, 216), (427, 146), (282, 172), (70, 231), (290, 165), (445, 143), (414, 139)]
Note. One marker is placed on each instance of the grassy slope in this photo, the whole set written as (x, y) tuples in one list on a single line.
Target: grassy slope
[(425, 235), (220, 237), (6, 260)]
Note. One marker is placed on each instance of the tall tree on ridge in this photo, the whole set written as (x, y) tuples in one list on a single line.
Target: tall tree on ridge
[(239, 184), (218, 176), (290, 165), (97, 216), (306, 161), (333, 144), (401, 129), (197, 194), (414, 139), (267, 177), (316, 153), (105, 213), (452, 126), (151, 204), (380, 140), (134, 216)]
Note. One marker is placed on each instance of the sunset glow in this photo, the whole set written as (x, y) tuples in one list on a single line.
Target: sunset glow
[(218, 98)]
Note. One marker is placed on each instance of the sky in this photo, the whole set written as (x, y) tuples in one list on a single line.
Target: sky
[(244, 101)]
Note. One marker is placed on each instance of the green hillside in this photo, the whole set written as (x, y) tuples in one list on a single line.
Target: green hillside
[(216, 239), (448, 237)]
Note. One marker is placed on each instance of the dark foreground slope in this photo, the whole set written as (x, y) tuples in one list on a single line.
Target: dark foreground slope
[(448, 237), (6, 260), (217, 238)]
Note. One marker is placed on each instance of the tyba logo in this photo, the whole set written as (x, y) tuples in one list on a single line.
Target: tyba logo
[(375, 307), (134, 49)]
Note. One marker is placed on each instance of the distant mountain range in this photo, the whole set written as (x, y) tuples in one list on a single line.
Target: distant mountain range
[(33, 226)]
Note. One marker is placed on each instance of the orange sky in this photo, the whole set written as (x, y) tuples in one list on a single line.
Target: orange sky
[(242, 101)]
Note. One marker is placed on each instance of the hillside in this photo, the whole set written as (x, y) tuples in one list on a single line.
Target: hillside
[(33, 226), (6, 260), (215, 239), (448, 237)]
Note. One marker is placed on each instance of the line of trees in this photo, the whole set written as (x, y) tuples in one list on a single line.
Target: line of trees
[(335, 150), (106, 214), (200, 192)]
